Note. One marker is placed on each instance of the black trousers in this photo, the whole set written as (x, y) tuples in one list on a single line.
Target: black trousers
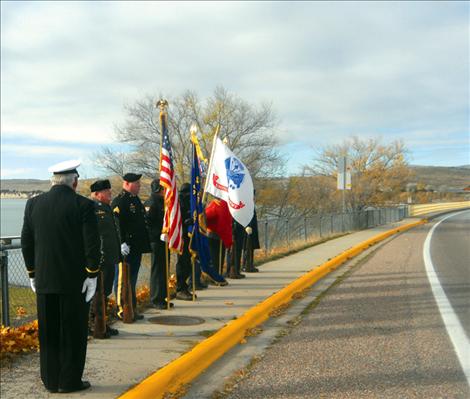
[(63, 330), (183, 268), (158, 273), (215, 250)]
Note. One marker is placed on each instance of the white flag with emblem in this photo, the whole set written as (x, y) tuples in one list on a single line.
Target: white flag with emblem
[(229, 179)]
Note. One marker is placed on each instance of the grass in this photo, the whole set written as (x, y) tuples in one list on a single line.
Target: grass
[(22, 304)]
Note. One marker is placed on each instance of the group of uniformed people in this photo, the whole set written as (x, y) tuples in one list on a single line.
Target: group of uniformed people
[(73, 245)]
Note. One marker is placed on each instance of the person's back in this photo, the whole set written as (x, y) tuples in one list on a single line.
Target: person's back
[(59, 247), (61, 250)]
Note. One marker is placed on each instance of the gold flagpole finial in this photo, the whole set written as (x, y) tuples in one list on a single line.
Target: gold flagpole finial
[(162, 104), (193, 129)]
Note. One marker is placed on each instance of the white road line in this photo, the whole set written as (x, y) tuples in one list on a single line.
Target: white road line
[(451, 321)]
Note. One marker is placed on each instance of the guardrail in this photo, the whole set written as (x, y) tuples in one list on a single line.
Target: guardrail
[(422, 209)]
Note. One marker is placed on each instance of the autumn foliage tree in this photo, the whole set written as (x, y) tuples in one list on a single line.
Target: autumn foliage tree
[(380, 171)]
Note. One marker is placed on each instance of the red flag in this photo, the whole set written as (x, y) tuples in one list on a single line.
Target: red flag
[(219, 220), (172, 226)]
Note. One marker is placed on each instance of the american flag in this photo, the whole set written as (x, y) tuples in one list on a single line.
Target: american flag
[(172, 226)]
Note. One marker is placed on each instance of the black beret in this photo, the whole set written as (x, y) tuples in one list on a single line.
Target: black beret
[(100, 185), (131, 177)]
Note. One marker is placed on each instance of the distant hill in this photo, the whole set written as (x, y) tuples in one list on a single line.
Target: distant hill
[(454, 178), (24, 185)]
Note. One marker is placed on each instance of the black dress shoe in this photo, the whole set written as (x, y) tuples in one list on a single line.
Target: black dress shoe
[(138, 317), (184, 295), (252, 270), (112, 331), (162, 306), (83, 385), (52, 390)]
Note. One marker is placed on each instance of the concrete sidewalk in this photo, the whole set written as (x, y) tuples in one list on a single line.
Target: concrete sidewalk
[(115, 365)]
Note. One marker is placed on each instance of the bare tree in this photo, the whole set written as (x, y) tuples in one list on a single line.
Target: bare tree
[(249, 129)]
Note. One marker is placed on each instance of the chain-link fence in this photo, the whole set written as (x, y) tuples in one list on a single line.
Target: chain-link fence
[(19, 302), (279, 232)]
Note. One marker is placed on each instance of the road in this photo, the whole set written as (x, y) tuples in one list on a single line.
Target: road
[(379, 333)]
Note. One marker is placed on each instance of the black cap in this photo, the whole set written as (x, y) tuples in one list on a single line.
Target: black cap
[(131, 177), (100, 185), (155, 186)]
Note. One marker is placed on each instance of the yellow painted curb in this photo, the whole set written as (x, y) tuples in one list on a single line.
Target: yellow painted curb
[(188, 366)]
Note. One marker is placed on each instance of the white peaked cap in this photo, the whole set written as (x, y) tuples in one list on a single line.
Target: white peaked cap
[(65, 167)]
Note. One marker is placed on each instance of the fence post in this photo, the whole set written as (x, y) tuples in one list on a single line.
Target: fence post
[(305, 226), (287, 232), (5, 294), (266, 237)]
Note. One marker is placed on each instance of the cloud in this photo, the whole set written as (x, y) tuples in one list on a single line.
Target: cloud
[(7, 173), (330, 69)]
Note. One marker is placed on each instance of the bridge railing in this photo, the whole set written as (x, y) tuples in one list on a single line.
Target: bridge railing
[(423, 209)]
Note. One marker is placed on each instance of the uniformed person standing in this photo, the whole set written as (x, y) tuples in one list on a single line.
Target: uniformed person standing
[(251, 244), (155, 213), (134, 235), (61, 250), (108, 226)]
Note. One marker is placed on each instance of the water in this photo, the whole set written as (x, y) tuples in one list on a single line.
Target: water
[(11, 212)]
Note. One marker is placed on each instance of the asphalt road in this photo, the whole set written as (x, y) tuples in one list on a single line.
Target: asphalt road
[(377, 334), (450, 254)]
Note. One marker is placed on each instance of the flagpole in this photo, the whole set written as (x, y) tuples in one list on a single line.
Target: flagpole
[(220, 257), (204, 195), (162, 104)]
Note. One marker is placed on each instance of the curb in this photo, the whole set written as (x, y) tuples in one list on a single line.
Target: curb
[(188, 366)]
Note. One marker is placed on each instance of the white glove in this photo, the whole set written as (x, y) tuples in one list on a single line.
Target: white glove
[(248, 230), (164, 237), (89, 286), (32, 281), (125, 249)]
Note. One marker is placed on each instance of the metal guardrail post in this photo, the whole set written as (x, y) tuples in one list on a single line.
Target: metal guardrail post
[(5, 293), (305, 229), (266, 238)]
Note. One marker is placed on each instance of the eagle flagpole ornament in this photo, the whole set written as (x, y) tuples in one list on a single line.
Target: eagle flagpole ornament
[(229, 179)]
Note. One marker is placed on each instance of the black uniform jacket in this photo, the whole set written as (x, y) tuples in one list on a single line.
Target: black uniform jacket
[(60, 241), (108, 226), (155, 213), (240, 233), (131, 215)]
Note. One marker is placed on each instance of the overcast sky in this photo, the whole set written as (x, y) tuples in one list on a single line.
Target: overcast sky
[(330, 70)]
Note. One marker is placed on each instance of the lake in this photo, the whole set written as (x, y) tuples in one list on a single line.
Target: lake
[(11, 216), (11, 213)]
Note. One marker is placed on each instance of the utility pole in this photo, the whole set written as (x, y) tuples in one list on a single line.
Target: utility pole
[(344, 178)]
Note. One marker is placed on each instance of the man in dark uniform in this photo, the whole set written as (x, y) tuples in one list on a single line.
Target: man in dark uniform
[(134, 235), (183, 265), (155, 213), (251, 243), (61, 250), (235, 254), (108, 227)]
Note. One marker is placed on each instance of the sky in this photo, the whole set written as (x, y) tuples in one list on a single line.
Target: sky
[(331, 70)]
